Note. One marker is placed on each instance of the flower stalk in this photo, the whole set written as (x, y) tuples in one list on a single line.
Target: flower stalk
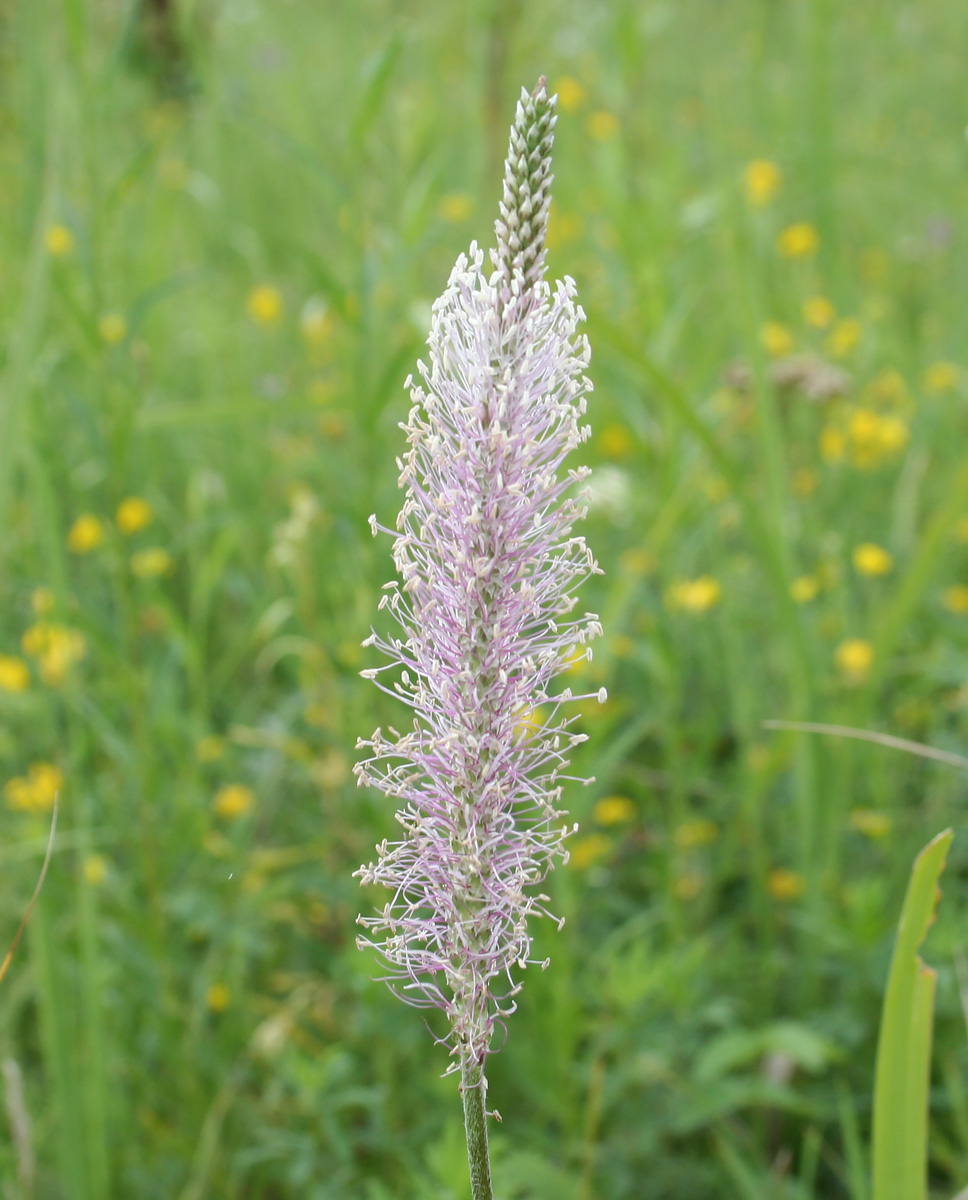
[(484, 601)]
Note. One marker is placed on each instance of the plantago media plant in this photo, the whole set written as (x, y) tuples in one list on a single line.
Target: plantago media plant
[(484, 609)]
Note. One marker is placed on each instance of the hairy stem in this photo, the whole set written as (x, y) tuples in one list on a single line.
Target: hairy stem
[(474, 1092)]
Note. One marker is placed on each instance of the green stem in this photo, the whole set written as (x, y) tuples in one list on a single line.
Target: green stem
[(474, 1092)]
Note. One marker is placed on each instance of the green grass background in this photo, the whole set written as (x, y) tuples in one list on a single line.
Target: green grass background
[(700, 1032)]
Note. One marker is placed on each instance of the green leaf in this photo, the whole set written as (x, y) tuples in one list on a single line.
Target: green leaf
[(904, 1046)]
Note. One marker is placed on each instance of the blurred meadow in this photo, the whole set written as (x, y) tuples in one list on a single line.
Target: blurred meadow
[(222, 225)]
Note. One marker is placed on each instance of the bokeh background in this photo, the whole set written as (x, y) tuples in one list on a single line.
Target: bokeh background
[(222, 224)]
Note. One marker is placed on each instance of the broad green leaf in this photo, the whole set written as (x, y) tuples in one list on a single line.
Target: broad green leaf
[(904, 1046)]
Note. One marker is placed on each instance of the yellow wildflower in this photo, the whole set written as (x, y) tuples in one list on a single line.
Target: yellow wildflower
[(217, 997), (805, 588), (95, 869), (874, 437), (86, 534), (133, 515), (113, 328), (234, 800), (264, 304), (871, 559), (694, 595), (701, 832), (616, 441), (42, 601), (844, 337), (455, 207), (762, 179), (785, 885), (602, 125), (798, 241), (14, 674), (614, 810), (832, 444), (38, 791), (955, 599), (59, 241), (56, 648), (589, 851), (818, 312), (894, 434), (853, 659), (570, 94), (151, 563), (941, 377), (776, 339), (961, 529), (870, 823)]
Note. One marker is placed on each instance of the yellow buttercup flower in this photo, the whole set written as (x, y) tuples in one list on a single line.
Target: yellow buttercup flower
[(805, 588), (603, 126), (86, 534), (234, 800), (95, 869), (955, 599), (762, 179), (874, 437), (14, 674), (217, 997), (818, 312), (152, 563), (941, 377), (37, 791), (113, 328), (614, 810), (854, 658), (798, 241), (871, 559), (59, 241), (570, 94), (695, 595), (776, 339), (455, 207), (870, 823), (133, 515), (264, 304), (785, 885), (56, 649)]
